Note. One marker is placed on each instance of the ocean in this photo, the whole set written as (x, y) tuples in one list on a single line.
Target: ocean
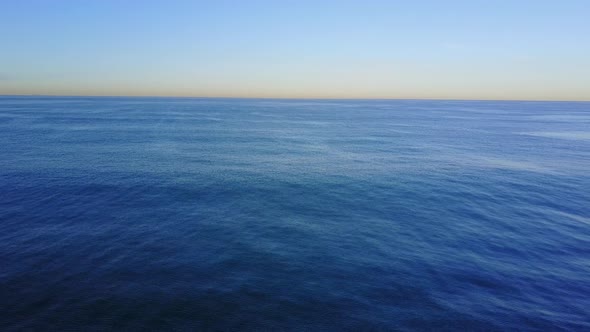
[(184, 214)]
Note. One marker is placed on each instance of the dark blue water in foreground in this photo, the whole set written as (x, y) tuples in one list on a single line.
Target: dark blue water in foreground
[(213, 214)]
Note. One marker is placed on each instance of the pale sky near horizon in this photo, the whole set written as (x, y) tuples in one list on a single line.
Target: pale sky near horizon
[(297, 49)]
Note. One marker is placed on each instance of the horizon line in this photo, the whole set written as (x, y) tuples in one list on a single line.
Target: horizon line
[(287, 98)]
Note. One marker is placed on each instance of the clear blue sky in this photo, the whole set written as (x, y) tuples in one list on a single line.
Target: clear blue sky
[(505, 49)]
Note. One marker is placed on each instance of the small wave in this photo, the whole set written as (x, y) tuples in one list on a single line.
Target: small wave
[(569, 135)]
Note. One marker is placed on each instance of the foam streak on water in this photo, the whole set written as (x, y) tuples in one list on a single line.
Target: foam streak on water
[(227, 214)]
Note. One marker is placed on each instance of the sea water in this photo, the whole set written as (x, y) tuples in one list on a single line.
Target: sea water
[(143, 214)]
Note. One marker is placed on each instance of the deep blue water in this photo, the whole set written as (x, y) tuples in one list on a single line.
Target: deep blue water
[(220, 214)]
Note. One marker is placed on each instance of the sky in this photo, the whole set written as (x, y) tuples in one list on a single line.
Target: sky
[(503, 49)]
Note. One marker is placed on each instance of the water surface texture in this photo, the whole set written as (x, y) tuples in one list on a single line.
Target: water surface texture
[(181, 214)]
